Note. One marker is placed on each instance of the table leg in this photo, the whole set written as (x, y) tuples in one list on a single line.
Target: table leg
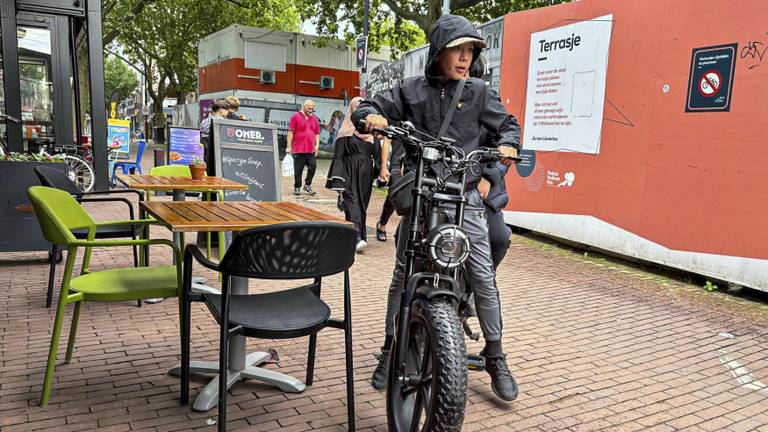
[(178, 238), (241, 366)]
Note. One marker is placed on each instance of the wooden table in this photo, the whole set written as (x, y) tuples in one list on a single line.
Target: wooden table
[(179, 186), (189, 216), (202, 216)]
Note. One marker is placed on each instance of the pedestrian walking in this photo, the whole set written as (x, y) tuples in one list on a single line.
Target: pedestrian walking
[(353, 170), (304, 143)]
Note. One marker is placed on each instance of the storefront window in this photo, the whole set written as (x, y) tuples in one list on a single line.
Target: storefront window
[(36, 87), (3, 129)]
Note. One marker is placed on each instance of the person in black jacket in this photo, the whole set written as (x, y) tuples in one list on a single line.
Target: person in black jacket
[(219, 109), (454, 45), (352, 172), (493, 190)]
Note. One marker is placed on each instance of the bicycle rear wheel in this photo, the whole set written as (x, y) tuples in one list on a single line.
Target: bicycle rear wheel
[(80, 172)]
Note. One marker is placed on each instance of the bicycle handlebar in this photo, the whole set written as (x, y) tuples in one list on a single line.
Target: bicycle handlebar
[(11, 118)]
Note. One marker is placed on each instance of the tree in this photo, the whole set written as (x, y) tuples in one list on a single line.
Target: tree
[(161, 41), (115, 18), (119, 77), (330, 16)]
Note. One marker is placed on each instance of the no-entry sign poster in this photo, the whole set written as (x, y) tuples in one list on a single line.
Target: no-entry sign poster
[(566, 87), (711, 78)]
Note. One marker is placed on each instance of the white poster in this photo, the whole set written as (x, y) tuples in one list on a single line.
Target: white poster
[(566, 87)]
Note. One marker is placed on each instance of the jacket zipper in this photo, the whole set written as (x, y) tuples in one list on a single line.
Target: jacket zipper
[(442, 99)]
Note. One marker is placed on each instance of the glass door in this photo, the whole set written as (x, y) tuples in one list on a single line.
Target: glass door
[(45, 83), (3, 128), (36, 87)]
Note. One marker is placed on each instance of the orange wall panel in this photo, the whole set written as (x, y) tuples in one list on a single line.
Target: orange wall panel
[(232, 74), (689, 181)]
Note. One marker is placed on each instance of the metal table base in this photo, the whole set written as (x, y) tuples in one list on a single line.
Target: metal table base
[(241, 366)]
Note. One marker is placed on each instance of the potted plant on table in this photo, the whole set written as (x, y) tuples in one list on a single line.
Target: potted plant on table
[(197, 168)]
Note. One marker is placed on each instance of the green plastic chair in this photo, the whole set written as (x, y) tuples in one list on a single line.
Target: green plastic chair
[(183, 171), (58, 214)]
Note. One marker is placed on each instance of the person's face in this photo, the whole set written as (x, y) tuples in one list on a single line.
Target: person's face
[(309, 108), (454, 62)]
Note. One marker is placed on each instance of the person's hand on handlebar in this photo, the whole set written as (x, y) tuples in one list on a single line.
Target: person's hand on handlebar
[(508, 154), (375, 121)]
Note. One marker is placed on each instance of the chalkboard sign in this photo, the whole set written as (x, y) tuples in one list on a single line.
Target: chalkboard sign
[(184, 145), (246, 152)]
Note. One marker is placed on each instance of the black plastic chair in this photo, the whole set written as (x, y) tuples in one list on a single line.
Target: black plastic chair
[(297, 250), (56, 178)]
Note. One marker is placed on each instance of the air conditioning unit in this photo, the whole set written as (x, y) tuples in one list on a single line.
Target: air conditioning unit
[(267, 77), (326, 82)]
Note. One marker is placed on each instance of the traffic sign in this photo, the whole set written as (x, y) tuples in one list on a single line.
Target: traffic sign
[(711, 78), (361, 52)]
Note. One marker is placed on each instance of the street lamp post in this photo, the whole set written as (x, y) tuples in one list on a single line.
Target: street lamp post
[(363, 74)]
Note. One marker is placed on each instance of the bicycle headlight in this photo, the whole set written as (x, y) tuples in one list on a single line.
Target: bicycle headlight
[(448, 246)]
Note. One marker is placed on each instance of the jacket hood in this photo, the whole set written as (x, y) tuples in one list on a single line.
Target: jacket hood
[(448, 28)]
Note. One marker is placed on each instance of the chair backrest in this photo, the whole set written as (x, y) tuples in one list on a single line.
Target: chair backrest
[(56, 178), (171, 171), (58, 214), (295, 250), (140, 151)]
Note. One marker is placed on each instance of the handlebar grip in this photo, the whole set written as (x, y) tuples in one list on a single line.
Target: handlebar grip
[(508, 152)]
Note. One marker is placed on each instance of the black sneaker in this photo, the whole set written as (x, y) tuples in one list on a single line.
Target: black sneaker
[(297, 191), (379, 379), (308, 189), (503, 383)]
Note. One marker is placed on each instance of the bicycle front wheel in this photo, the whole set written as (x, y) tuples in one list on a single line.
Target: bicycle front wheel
[(80, 172)]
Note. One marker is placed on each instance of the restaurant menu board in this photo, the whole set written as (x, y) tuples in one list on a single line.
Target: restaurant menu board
[(184, 145), (119, 133), (246, 152)]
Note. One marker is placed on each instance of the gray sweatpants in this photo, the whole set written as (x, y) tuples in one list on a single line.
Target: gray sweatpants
[(480, 270)]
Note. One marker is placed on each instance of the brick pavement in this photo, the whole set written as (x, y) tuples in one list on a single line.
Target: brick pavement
[(595, 345)]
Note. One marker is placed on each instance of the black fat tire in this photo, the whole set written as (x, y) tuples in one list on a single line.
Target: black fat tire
[(448, 399)]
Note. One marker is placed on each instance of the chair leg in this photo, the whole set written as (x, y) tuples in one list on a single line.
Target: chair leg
[(311, 359), (348, 352), (223, 363), (51, 275), (224, 355), (350, 376), (222, 249), (136, 262), (51, 365), (73, 332)]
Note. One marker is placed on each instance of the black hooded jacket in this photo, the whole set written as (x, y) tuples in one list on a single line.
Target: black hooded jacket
[(425, 100)]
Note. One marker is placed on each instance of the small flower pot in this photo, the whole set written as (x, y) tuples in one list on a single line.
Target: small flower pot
[(198, 171)]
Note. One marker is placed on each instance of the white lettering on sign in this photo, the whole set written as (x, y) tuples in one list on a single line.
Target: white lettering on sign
[(248, 179), (231, 160), (568, 43), (249, 134)]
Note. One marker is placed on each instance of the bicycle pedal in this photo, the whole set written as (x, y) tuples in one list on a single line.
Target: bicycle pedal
[(475, 362)]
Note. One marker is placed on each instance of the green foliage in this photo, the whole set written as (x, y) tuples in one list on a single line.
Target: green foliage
[(709, 286), (398, 22), (119, 77), (32, 157), (162, 39)]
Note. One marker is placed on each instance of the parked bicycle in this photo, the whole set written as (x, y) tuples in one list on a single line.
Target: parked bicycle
[(78, 160)]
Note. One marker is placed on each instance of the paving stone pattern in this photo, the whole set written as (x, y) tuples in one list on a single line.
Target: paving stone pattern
[(595, 346)]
